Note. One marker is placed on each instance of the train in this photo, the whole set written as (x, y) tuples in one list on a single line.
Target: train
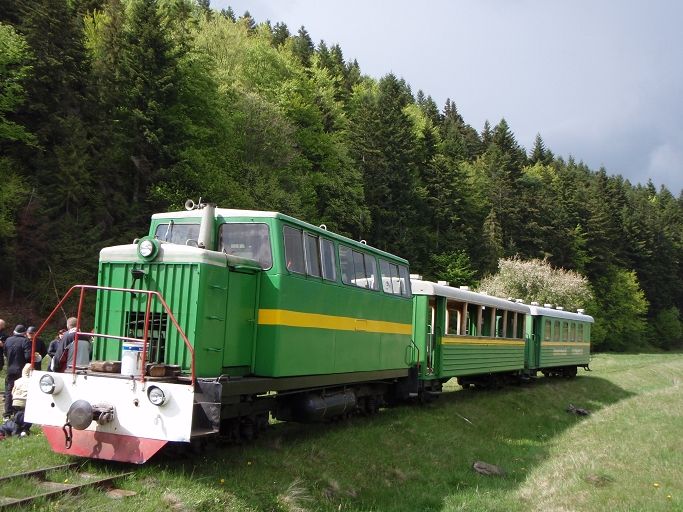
[(220, 320)]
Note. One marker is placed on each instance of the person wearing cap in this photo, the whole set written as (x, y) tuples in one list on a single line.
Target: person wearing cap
[(40, 348), (18, 352)]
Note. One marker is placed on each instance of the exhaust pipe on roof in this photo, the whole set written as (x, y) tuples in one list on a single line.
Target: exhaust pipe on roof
[(205, 238)]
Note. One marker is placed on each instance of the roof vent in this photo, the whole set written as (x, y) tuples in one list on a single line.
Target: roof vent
[(466, 288), (534, 303), (560, 308), (521, 301), (580, 311), (416, 276), (443, 283), (549, 306)]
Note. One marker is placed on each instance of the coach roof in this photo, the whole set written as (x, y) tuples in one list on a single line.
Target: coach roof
[(428, 288)]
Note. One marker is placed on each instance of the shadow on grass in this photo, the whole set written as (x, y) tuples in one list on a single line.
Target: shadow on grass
[(405, 458)]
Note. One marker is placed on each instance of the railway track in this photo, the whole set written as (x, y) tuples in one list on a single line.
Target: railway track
[(45, 485)]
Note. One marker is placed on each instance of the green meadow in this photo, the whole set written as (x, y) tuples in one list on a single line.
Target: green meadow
[(627, 455)]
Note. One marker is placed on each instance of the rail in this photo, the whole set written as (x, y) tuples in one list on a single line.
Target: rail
[(145, 337), (46, 489)]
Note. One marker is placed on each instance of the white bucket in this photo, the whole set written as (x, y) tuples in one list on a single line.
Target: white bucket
[(131, 358)]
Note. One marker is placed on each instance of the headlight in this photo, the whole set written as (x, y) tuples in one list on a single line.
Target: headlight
[(156, 395), (49, 385), (146, 248)]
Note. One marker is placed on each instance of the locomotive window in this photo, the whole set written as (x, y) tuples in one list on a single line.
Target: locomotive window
[(405, 281), (371, 271), (245, 240), (346, 262), (390, 279), (294, 250), (329, 267), (312, 255), (395, 278), (358, 268), (546, 331), (177, 233)]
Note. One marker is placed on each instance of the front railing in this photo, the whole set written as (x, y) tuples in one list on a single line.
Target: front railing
[(145, 337)]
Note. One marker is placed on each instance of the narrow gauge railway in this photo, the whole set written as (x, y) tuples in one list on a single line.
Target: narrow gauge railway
[(218, 319), (44, 488)]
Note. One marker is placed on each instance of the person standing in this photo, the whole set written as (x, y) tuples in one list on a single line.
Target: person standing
[(52, 348), (3, 337), (41, 349), (67, 345), (18, 352)]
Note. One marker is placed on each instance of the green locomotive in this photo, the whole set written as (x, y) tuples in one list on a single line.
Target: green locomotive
[(248, 313)]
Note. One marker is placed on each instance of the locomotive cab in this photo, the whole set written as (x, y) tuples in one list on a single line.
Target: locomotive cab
[(216, 319)]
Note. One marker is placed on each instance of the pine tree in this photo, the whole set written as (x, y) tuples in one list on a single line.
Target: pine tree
[(280, 34), (303, 47)]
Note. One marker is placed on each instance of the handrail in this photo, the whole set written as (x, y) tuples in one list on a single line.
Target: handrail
[(150, 293)]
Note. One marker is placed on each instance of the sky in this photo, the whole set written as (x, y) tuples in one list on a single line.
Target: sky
[(600, 80)]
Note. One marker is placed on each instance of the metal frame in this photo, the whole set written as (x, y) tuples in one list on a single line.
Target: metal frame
[(150, 294)]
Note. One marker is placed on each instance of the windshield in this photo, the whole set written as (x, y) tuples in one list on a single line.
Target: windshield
[(177, 233), (251, 241)]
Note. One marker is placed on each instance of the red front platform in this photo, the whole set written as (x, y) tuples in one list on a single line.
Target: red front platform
[(103, 445)]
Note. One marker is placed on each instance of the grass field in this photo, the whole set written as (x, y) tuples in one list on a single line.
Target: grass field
[(626, 456)]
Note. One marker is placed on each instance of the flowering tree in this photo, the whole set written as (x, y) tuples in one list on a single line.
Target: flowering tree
[(536, 280)]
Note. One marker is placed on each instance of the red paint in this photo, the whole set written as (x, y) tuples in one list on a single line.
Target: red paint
[(103, 445)]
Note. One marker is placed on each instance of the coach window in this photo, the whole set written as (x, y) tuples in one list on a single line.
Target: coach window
[(565, 331), (556, 330), (580, 333), (547, 330), (520, 322), (294, 250), (472, 316), (329, 264), (572, 332), (247, 240), (511, 324), (312, 255), (453, 317)]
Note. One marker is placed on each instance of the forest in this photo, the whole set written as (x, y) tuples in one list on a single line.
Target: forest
[(111, 110)]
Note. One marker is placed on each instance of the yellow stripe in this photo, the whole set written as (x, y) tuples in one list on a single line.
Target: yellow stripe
[(563, 344), (337, 323), (480, 341)]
